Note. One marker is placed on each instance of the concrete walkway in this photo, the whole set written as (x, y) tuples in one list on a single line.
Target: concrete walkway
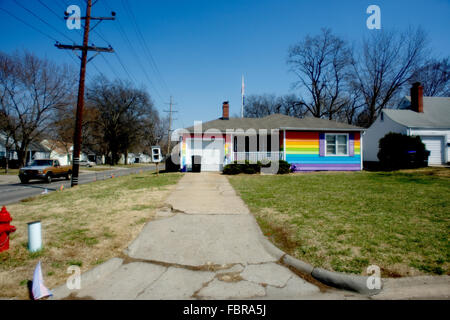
[(204, 245)]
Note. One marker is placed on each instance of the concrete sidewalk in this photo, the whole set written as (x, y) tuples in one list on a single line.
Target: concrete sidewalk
[(204, 245)]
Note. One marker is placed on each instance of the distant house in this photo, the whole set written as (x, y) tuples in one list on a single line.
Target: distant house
[(135, 158), (35, 150), (90, 155), (63, 151), (2, 146), (308, 144), (60, 151), (426, 117)]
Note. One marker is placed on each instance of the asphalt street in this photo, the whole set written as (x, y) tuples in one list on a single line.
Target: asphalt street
[(14, 192)]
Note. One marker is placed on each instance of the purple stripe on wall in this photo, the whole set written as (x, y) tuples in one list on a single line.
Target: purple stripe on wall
[(322, 144), (351, 145), (325, 166)]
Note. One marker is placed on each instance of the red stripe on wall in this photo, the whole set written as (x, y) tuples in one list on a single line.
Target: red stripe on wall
[(302, 135)]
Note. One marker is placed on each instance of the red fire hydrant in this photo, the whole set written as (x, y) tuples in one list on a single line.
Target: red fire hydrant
[(5, 229)]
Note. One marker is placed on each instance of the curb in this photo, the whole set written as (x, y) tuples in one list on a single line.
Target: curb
[(331, 278)]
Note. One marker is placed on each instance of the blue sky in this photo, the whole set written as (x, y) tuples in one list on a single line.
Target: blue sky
[(202, 47)]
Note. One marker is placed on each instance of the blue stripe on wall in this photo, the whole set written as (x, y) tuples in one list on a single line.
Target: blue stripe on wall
[(314, 158)]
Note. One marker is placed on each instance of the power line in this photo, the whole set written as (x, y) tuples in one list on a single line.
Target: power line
[(110, 66), (132, 79), (138, 60), (29, 25), (42, 20), (56, 14), (41, 32), (143, 42), (50, 9)]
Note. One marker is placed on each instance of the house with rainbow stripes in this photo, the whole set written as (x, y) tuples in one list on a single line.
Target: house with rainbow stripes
[(308, 144)]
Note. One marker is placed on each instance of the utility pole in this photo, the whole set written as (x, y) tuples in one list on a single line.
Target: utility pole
[(170, 111), (80, 101)]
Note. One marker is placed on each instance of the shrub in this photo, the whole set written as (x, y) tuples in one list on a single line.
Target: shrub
[(253, 168), (285, 167), (399, 151)]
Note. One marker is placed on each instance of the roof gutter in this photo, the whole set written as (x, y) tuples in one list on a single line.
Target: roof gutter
[(323, 129)]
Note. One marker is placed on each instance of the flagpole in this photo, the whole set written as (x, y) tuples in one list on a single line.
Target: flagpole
[(242, 97)]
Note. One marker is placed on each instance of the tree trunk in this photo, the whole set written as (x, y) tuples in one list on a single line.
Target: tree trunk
[(6, 160), (22, 157)]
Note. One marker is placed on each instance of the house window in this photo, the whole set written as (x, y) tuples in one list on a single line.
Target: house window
[(336, 144)]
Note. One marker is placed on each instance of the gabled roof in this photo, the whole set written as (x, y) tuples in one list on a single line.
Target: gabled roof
[(37, 147), (33, 146), (58, 147), (435, 115), (277, 121)]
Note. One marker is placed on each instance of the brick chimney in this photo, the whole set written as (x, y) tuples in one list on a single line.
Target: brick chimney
[(417, 97), (225, 111)]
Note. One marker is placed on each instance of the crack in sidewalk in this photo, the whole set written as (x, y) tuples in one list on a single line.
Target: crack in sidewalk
[(143, 290)]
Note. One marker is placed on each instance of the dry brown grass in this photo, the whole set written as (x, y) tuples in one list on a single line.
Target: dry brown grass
[(83, 226)]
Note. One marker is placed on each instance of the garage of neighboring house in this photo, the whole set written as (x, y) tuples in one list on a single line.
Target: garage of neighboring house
[(416, 115), (434, 144)]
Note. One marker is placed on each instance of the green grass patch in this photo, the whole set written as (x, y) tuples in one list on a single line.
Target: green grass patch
[(74, 263), (348, 221), (11, 172)]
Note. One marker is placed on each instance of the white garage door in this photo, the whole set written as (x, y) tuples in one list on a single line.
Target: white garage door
[(212, 155), (434, 145)]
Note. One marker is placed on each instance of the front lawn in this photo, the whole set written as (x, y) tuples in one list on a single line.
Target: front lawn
[(83, 226), (347, 221)]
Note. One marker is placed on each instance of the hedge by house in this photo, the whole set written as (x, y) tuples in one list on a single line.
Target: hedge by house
[(253, 168), (399, 151)]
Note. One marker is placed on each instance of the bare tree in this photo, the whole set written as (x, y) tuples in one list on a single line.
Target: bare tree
[(123, 114), (321, 63), (64, 128), (5, 135), (434, 77), (258, 106), (385, 64), (31, 91), (154, 132)]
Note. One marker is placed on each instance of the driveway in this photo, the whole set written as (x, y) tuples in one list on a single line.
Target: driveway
[(203, 245)]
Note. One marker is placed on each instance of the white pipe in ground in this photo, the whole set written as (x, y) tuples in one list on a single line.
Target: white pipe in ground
[(34, 236)]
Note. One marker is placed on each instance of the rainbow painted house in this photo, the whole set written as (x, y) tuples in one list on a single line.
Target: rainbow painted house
[(308, 144)]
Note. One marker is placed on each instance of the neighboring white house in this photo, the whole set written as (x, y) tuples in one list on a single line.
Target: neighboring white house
[(63, 152), (35, 150), (59, 151), (426, 117), (136, 158)]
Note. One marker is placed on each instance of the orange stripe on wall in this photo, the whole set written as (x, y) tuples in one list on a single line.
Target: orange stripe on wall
[(302, 143)]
